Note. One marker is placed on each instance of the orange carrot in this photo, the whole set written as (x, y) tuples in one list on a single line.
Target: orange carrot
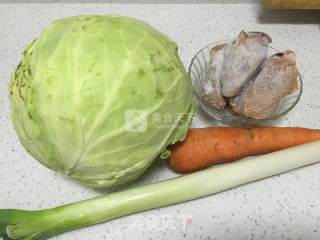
[(207, 146)]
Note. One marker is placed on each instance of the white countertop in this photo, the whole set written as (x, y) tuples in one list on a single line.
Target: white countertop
[(282, 207)]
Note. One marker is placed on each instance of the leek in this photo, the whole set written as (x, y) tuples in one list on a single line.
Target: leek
[(42, 224)]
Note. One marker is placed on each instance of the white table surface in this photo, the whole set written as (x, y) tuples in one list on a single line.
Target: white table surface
[(282, 207)]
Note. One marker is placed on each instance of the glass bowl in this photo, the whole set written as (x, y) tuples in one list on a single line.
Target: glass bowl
[(198, 72)]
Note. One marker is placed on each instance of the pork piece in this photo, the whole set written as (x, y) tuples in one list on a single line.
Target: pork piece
[(212, 85), (243, 56), (262, 95)]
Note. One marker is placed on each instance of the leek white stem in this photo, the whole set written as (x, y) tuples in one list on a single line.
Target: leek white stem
[(31, 225)]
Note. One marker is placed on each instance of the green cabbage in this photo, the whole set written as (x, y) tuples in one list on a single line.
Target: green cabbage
[(98, 98)]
